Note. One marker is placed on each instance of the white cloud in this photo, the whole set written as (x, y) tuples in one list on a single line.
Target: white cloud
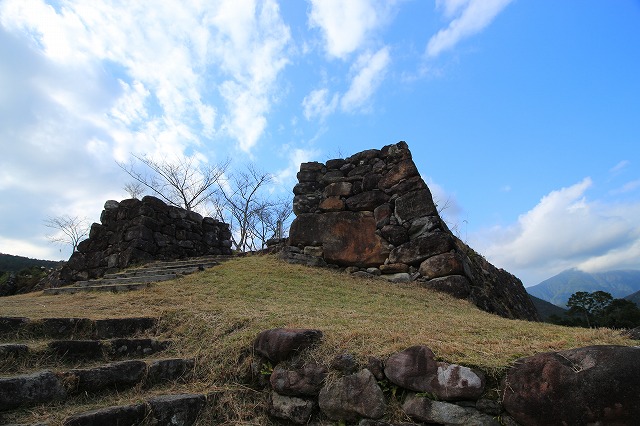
[(370, 70), (620, 166), (348, 25), (564, 230), (471, 17), (317, 104)]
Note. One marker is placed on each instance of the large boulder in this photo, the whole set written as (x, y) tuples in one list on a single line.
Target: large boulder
[(597, 385), (352, 397), (416, 369), (347, 238), (278, 344)]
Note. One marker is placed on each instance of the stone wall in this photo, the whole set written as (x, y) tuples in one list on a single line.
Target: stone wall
[(595, 385), (137, 231), (373, 214)]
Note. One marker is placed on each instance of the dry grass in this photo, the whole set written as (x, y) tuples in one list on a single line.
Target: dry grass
[(215, 315)]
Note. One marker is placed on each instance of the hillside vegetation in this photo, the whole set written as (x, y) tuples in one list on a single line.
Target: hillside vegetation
[(216, 314)]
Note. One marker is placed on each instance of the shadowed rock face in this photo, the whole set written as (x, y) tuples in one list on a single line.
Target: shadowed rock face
[(590, 385), (373, 210), (137, 231)]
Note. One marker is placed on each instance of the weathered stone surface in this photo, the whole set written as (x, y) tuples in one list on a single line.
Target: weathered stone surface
[(598, 385), (30, 389), (368, 200), (442, 265), (305, 381), (338, 189), (416, 369), (136, 347), (117, 375), (335, 163), (347, 238), (60, 327), (175, 410), (412, 368), (401, 277), (303, 188), (345, 363), (332, 176), (169, 370), (13, 350), (382, 215), (77, 349), (109, 328), (415, 251), (351, 397), (394, 268), (414, 204), (424, 225), (120, 415), (331, 204), (394, 234), (294, 409), (457, 286), (403, 170), (12, 325), (279, 344), (426, 410)]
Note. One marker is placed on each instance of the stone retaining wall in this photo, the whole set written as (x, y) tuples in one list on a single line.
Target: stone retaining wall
[(592, 385), (137, 231), (373, 214)]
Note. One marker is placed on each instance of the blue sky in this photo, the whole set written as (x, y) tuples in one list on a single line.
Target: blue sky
[(522, 116)]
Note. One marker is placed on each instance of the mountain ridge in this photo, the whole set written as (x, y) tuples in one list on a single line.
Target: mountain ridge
[(558, 289)]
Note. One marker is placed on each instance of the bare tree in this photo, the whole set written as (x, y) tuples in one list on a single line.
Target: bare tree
[(184, 182), (272, 216), (135, 189), (71, 230), (252, 217)]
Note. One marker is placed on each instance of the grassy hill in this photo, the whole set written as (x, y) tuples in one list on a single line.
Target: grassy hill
[(216, 314), (559, 288), (634, 297)]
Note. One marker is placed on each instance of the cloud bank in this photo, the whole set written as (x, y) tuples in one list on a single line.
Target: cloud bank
[(564, 230)]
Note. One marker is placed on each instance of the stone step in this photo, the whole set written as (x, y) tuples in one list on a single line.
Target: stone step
[(105, 349), (75, 328), (181, 270), (141, 279), (48, 386), (179, 409), (114, 288)]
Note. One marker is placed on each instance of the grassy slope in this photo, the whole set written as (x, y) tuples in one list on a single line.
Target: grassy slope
[(215, 315)]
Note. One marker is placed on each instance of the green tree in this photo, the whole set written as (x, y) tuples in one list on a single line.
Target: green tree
[(621, 313), (589, 306)]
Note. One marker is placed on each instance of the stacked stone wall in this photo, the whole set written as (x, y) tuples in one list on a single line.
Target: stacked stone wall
[(137, 231), (373, 214)]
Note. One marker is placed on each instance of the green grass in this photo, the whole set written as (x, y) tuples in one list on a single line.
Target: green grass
[(215, 315)]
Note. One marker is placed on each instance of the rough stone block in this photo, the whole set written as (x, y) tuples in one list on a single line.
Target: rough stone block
[(296, 410), (279, 344), (30, 390), (175, 410), (413, 205), (352, 397), (119, 415), (168, 370), (118, 375), (305, 381), (442, 265), (426, 410), (415, 251)]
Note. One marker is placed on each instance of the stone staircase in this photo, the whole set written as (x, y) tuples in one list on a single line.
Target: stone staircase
[(140, 277), (55, 365)]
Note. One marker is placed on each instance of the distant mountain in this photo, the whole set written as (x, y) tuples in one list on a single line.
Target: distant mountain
[(559, 288), (11, 263), (546, 309), (635, 298)]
